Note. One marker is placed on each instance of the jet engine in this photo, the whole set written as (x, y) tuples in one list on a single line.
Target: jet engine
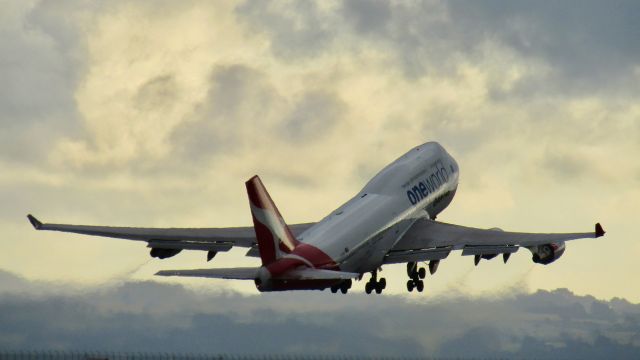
[(164, 253), (547, 253)]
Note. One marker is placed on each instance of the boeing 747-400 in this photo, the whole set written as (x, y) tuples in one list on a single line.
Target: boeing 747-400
[(391, 220)]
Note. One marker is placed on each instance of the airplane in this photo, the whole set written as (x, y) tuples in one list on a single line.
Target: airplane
[(391, 220)]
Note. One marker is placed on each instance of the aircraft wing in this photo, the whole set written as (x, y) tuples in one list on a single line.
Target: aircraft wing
[(208, 239), (433, 240)]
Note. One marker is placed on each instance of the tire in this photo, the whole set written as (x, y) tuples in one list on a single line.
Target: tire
[(334, 289), (420, 286), (378, 289), (343, 289), (383, 283), (422, 273), (367, 288), (410, 285)]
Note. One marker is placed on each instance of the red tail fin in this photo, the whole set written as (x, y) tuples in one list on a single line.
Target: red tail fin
[(273, 235)]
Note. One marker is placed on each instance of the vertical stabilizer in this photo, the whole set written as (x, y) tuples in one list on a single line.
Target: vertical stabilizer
[(273, 235)]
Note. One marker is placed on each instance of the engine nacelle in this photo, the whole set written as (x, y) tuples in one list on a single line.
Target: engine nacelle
[(164, 253), (547, 253)]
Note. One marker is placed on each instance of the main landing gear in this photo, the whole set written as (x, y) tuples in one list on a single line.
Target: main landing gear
[(416, 275), (343, 287), (374, 284)]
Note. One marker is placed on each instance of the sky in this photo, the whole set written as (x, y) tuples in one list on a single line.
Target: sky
[(154, 113)]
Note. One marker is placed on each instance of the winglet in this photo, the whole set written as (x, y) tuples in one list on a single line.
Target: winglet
[(35, 222), (599, 230)]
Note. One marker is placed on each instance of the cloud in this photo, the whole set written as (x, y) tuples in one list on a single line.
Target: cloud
[(296, 29), (587, 45), (151, 316), (240, 103), (312, 116), (42, 62)]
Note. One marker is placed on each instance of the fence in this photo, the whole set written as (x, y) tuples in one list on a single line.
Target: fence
[(114, 355)]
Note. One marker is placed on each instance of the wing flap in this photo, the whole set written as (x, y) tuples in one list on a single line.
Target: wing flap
[(488, 250), (403, 256)]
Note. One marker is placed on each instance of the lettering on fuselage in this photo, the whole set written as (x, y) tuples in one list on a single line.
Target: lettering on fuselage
[(428, 184)]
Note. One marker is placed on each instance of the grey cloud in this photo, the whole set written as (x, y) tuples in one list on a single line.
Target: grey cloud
[(297, 29), (369, 17), (242, 106), (590, 46), (156, 93), (238, 98), (566, 165), (149, 316), (42, 60), (313, 115)]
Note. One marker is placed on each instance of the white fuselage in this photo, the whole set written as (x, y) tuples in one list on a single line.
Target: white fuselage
[(357, 235)]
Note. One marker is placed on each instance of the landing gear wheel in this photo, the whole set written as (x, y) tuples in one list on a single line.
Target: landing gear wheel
[(420, 286), (368, 287), (422, 272), (378, 288), (334, 289), (383, 283), (410, 285), (344, 289)]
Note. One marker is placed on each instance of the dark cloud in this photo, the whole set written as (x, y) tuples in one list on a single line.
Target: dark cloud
[(149, 316), (369, 17), (297, 29), (589, 46)]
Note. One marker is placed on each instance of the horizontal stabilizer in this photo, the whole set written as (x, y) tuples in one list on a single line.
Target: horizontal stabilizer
[(317, 274), (222, 273)]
